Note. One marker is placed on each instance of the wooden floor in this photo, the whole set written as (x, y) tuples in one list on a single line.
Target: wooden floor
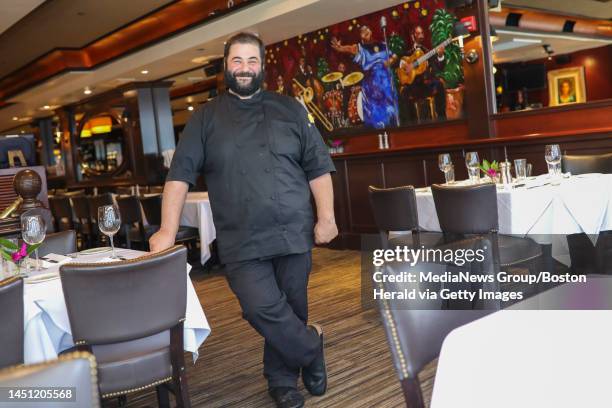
[(228, 372)]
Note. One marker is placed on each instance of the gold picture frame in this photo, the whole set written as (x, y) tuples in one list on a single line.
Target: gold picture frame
[(566, 86)]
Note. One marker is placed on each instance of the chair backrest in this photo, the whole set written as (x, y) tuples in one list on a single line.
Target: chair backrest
[(466, 209), (124, 190), (62, 212), (156, 189), (395, 209), (128, 300), (76, 371), (11, 323), (80, 206), (152, 209), (590, 163), (61, 243), (129, 207)]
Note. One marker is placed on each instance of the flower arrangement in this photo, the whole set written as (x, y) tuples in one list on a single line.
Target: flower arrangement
[(490, 169), (14, 253), (335, 145)]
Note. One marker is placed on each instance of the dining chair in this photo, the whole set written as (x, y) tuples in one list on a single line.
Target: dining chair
[(62, 213), (95, 202), (395, 209), (156, 189), (61, 243), (130, 314), (134, 229), (120, 190), (84, 227), (152, 207), (76, 371), (11, 323), (464, 210), (415, 331), (589, 163)]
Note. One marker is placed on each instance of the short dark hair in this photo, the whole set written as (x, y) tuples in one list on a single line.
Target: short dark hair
[(245, 38)]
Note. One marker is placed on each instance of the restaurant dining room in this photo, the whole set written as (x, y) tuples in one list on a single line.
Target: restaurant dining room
[(305, 203)]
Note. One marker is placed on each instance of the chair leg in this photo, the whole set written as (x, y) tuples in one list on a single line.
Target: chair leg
[(412, 393), (122, 401), (179, 378), (163, 399)]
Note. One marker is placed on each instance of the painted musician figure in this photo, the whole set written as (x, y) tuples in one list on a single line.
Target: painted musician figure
[(422, 95), (379, 100)]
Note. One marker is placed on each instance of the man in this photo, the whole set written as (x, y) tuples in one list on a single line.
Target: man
[(261, 156), (414, 96)]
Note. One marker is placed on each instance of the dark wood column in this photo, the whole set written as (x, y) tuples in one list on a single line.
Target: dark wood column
[(479, 85)]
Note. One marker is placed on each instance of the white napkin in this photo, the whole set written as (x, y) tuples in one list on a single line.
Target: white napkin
[(167, 155), (51, 260)]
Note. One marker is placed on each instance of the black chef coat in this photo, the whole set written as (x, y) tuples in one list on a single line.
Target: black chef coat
[(258, 156)]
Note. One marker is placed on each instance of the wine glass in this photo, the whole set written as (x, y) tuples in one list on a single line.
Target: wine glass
[(109, 222), (472, 162), (445, 165), (33, 231), (552, 154)]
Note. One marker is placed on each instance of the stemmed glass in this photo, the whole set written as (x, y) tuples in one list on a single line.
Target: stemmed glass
[(33, 231), (109, 222), (445, 164), (472, 162), (552, 155)]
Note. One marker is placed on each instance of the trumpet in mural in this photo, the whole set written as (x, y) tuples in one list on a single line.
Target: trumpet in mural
[(307, 95)]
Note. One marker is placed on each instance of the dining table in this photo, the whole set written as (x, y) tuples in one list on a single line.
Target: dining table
[(47, 327), (198, 214), (549, 351), (544, 209)]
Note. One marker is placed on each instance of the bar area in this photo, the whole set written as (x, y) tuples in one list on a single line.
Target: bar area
[(402, 203)]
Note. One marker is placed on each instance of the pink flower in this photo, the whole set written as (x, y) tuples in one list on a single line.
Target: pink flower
[(491, 173), (17, 255), (337, 143)]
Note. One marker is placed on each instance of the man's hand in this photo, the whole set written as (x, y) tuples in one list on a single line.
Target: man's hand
[(161, 240), (325, 230)]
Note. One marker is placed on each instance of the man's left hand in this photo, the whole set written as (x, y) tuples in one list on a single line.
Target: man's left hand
[(325, 230)]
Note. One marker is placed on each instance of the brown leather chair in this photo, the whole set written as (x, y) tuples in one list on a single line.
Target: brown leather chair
[(61, 243), (130, 315), (415, 331), (11, 323), (62, 213), (152, 207), (134, 229), (395, 209), (465, 210), (590, 163), (73, 370)]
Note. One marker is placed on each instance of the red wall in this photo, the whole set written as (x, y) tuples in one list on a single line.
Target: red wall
[(597, 63)]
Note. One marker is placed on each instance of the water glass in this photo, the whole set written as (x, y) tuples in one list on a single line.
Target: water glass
[(444, 162), (529, 168), (109, 222), (449, 175), (520, 169), (472, 162), (33, 231), (552, 154)]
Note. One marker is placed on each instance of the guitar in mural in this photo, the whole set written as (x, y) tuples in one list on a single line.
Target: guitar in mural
[(416, 64)]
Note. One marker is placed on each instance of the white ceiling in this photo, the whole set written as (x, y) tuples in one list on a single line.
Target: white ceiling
[(517, 45), (15, 10)]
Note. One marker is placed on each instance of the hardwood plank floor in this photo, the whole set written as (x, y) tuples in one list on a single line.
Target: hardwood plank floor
[(228, 372)]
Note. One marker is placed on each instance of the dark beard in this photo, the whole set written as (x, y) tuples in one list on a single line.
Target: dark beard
[(232, 83)]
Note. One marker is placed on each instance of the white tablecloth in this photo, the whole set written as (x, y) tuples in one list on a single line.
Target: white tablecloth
[(578, 204), (197, 213), (527, 358), (47, 328)]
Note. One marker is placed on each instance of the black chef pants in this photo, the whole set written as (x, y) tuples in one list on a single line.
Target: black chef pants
[(273, 297)]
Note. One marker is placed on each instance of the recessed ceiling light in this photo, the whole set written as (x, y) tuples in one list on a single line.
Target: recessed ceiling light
[(144, 72), (190, 108), (87, 91), (15, 118), (46, 107)]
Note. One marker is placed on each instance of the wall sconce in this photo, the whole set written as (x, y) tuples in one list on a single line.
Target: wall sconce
[(471, 56)]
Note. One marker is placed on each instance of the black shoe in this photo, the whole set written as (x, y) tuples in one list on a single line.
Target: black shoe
[(286, 397), (315, 375)]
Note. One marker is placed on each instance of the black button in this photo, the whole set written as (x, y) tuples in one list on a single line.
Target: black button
[(243, 171), (239, 145), (284, 229), (272, 197), (262, 145), (248, 199), (261, 154), (267, 170)]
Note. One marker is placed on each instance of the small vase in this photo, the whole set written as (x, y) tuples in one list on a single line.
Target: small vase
[(494, 179), (340, 149)]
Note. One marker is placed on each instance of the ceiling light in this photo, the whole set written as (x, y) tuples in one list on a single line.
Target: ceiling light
[(190, 108), (15, 118), (144, 72), (87, 91), (46, 107), (527, 40)]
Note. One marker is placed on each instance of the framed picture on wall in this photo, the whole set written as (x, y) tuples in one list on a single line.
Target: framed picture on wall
[(566, 86)]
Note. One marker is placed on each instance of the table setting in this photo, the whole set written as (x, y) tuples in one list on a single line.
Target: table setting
[(46, 325), (546, 207)]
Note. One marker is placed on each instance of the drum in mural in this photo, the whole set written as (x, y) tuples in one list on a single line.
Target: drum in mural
[(332, 105), (355, 105)]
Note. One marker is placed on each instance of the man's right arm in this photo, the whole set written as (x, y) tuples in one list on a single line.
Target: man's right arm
[(172, 206)]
